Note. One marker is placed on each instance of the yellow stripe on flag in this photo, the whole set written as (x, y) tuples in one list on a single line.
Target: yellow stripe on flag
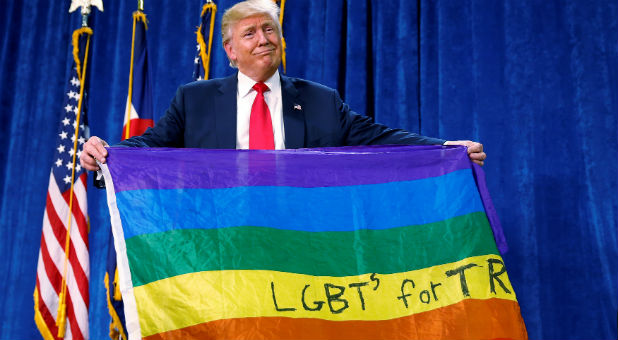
[(195, 298)]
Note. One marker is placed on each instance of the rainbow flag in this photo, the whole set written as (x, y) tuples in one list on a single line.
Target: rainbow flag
[(389, 242)]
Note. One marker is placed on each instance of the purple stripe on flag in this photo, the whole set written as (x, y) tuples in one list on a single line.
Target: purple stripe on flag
[(161, 168), (490, 210)]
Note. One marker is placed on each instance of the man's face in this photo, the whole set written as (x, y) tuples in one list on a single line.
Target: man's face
[(255, 46)]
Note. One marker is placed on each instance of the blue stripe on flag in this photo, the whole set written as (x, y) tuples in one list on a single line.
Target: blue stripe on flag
[(393, 204)]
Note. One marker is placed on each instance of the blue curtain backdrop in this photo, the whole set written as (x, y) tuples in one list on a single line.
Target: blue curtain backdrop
[(535, 81)]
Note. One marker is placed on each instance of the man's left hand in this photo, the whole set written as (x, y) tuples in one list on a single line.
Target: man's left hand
[(475, 150)]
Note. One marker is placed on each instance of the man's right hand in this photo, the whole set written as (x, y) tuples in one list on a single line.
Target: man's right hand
[(94, 149)]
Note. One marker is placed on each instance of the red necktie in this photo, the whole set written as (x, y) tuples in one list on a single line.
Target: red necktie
[(260, 125)]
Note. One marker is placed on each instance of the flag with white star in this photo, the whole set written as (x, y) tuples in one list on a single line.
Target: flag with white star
[(69, 130), (61, 294), (204, 41)]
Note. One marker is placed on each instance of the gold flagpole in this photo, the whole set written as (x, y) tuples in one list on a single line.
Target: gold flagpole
[(81, 73), (137, 16), (205, 50)]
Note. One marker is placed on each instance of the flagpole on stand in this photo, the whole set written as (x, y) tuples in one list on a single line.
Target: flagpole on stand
[(205, 48), (283, 45), (81, 72), (61, 320), (137, 15)]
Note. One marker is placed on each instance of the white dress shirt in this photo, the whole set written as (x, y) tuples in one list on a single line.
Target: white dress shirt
[(244, 100)]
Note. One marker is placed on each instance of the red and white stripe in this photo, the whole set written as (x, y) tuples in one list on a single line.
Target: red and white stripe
[(138, 125), (51, 260)]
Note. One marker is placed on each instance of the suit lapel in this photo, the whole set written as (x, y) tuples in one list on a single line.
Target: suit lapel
[(293, 115), (225, 111)]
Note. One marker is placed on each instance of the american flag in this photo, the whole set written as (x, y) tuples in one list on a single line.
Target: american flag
[(52, 265), (204, 41)]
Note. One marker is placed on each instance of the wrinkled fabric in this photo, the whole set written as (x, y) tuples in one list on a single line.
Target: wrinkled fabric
[(202, 234)]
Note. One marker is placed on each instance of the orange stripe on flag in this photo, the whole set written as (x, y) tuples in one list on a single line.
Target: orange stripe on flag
[(468, 319)]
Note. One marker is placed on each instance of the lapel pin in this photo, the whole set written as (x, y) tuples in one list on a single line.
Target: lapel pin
[(297, 107)]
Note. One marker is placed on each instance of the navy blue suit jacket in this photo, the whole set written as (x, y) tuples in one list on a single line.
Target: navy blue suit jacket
[(203, 115)]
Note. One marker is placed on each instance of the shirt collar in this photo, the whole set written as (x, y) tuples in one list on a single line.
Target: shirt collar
[(245, 84)]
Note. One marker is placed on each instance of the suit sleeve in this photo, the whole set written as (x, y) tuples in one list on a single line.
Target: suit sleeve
[(361, 130), (168, 131)]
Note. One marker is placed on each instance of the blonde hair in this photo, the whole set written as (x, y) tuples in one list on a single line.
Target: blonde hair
[(246, 9)]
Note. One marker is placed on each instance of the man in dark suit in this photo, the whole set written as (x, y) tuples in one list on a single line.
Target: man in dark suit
[(259, 109)]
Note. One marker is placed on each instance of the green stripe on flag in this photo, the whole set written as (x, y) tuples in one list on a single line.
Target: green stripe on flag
[(344, 253)]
